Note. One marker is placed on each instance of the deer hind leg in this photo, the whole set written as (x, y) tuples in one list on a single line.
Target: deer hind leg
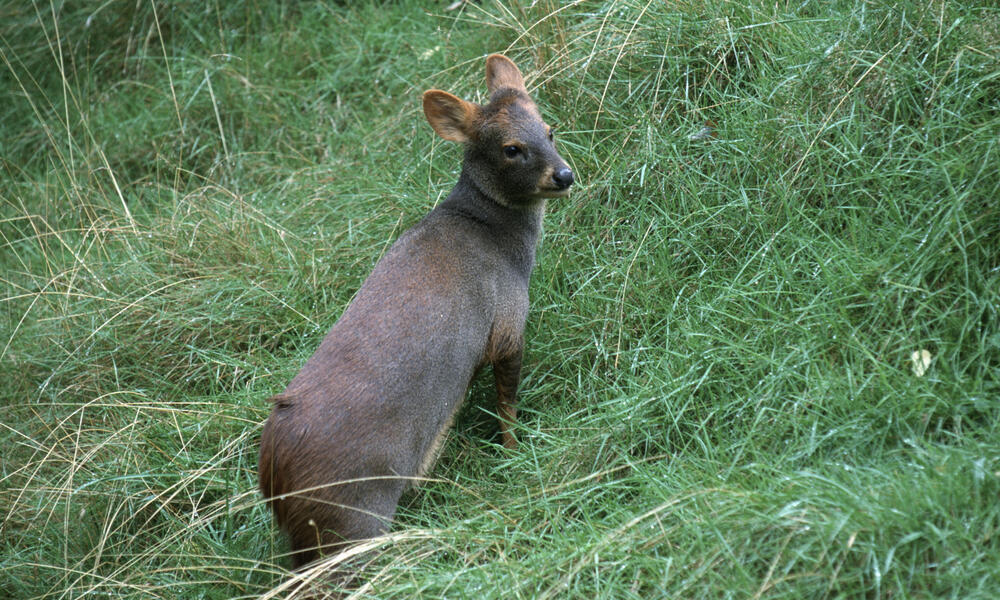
[(358, 511)]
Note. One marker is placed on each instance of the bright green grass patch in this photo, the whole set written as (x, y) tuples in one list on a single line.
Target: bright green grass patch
[(777, 206)]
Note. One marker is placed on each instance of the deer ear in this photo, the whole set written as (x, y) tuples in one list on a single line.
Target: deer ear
[(501, 73), (451, 117)]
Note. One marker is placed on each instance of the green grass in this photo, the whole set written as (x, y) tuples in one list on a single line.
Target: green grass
[(718, 397)]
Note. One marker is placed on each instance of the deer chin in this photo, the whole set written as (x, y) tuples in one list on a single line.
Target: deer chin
[(551, 193)]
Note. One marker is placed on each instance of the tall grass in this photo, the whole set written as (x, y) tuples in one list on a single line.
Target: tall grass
[(778, 205)]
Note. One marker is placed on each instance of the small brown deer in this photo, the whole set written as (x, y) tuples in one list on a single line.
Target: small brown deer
[(365, 416)]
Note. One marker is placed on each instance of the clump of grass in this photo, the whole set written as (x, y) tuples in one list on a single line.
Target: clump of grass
[(777, 207)]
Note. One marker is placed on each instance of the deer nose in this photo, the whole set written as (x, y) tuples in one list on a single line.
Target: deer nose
[(563, 178)]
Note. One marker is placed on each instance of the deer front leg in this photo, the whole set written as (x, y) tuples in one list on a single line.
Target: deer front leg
[(507, 373)]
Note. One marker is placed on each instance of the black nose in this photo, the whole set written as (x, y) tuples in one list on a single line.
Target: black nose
[(563, 178)]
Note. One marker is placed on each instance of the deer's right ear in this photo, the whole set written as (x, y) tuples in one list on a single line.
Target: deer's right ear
[(451, 117)]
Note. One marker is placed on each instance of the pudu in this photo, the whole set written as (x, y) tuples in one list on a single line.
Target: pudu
[(367, 413)]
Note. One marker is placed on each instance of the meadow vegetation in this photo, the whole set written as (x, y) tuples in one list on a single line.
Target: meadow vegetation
[(777, 205)]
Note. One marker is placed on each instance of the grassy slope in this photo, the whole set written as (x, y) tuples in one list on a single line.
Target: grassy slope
[(718, 398)]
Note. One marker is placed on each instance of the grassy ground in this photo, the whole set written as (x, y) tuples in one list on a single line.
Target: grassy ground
[(719, 398)]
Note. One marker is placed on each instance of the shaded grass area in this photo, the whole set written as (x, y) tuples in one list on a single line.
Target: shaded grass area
[(777, 206)]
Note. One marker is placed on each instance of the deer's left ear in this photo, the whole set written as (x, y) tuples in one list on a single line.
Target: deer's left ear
[(501, 72)]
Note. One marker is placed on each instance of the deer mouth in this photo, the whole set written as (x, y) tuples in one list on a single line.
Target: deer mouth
[(551, 192)]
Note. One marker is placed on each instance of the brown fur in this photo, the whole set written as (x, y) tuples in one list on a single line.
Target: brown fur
[(368, 412)]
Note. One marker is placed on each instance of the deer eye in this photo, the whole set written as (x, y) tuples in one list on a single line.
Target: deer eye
[(511, 151)]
